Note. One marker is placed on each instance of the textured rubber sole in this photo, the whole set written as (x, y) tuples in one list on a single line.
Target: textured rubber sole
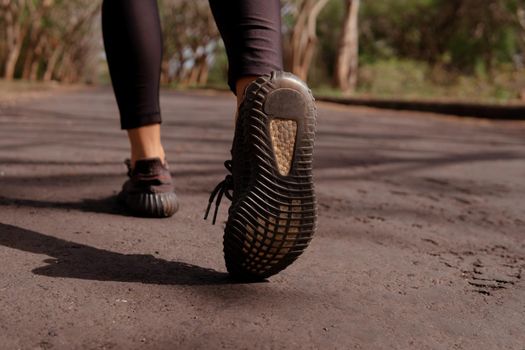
[(275, 218), (155, 205)]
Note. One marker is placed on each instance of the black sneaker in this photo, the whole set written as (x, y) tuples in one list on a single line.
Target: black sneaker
[(273, 213), (149, 190)]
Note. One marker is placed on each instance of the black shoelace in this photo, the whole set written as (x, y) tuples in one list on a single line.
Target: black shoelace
[(225, 187)]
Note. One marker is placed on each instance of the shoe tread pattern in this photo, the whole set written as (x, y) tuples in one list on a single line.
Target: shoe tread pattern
[(274, 218)]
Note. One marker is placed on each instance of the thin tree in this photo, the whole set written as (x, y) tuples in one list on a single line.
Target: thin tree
[(347, 62), (12, 11), (304, 37)]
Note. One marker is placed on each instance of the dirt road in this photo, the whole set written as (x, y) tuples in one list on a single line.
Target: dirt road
[(421, 239)]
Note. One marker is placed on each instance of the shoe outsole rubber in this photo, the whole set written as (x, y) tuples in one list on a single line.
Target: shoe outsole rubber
[(275, 218), (154, 205)]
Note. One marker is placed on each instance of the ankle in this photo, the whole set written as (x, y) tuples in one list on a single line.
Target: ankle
[(145, 143), (240, 87), (141, 153)]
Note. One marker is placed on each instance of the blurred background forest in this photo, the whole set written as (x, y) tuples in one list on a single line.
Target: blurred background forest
[(470, 50)]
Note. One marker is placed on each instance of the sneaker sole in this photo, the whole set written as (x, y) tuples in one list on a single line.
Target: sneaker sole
[(154, 205), (274, 221)]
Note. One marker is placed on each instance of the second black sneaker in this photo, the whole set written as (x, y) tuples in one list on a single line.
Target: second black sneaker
[(149, 191)]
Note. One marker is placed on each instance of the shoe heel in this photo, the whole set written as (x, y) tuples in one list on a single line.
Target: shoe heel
[(160, 205)]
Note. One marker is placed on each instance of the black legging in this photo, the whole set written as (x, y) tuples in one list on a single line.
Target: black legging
[(250, 30)]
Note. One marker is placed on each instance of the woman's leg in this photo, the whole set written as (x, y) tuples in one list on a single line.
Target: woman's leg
[(133, 43), (251, 31), (273, 213)]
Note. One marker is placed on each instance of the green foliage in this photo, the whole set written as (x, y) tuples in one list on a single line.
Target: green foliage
[(457, 34), (410, 79), (467, 49)]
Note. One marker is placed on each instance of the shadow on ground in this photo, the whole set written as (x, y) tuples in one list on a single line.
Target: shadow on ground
[(108, 205), (74, 260)]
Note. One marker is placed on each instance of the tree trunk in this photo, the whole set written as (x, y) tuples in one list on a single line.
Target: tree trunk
[(30, 58), (28, 63), (53, 60), (347, 62), (304, 38), (33, 75), (10, 65), (203, 70), (40, 52), (165, 71), (14, 38), (35, 38)]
